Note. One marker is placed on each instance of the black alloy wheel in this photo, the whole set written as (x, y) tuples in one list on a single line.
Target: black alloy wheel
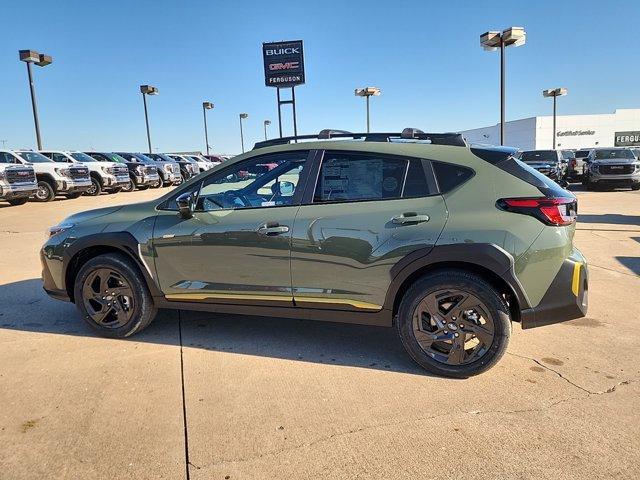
[(453, 323)]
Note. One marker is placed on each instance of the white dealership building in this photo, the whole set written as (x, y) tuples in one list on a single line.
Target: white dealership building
[(620, 128)]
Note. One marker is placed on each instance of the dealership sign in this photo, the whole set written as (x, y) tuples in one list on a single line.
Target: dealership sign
[(627, 139), (575, 133), (283, 64)]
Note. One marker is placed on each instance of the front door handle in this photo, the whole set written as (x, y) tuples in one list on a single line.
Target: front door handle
[(409, 218), (272, 229)]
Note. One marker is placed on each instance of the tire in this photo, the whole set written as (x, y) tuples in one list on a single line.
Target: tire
[(143, 187), (130, 187), (95, 189), (18, 201), (115, 190), (45, 192), (73, 195), (635, 187), (135, 308), (157, 184), (446, 285)]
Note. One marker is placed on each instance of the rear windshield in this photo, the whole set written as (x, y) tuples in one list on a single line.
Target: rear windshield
[(539, 156), (607, 154), (582, 153)]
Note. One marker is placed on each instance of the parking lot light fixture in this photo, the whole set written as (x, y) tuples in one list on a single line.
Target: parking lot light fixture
[(206, 106), (554, 92), (242, 117), (41, 60), (494, 40), (266, 123), (367, 92), (147, 90)]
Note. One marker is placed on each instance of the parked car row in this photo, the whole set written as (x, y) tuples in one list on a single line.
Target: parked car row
[(43, 175), (595, 168)]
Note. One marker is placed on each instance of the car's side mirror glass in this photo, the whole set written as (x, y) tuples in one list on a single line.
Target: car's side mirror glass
[(286, 188), (186, 204)]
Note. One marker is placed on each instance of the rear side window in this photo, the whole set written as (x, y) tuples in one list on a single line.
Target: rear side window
[(348, 177), (450, 176)]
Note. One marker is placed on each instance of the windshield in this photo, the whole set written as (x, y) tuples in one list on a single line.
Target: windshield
[(161, 157), (34, 157), (539, 156), (612, 154), (82, 157), (568, 154), (114, 157), (144, 159)]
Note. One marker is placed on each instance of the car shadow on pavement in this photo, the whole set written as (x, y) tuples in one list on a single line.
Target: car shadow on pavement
[(609, 218), (25, 307)]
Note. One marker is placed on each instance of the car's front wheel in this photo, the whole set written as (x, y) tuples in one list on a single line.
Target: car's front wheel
[(454, 323), (95, 189), (112, 296), (45, 192)]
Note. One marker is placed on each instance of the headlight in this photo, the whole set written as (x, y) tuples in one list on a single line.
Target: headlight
[(63, 172), (56, 229), (109, 170), (168, 167), (2, 175), (140, 169)]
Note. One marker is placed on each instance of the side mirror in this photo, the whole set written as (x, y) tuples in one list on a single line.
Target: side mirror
[(287, 188), (186, 204)]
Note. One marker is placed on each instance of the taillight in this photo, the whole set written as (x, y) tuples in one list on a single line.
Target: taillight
[(557, 211)]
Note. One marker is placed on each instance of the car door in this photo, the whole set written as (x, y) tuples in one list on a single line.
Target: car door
[(364, 214), (236, 247)]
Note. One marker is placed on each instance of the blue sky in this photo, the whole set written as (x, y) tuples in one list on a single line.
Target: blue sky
[(425, 56)]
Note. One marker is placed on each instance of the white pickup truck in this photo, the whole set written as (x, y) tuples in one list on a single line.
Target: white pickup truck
[(108, 176), (17, 181), (55, 178)]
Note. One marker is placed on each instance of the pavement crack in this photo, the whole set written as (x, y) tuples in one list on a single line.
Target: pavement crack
[(184, 404), (570, 382)]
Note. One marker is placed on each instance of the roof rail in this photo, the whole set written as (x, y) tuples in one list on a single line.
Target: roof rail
[(451, 139)]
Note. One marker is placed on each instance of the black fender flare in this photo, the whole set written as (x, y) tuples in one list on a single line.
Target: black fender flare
[(121, 241), (488, 256)]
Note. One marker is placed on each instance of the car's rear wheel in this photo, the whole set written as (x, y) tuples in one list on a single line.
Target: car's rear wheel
[(45, 192), (454, 323), (112, 296)]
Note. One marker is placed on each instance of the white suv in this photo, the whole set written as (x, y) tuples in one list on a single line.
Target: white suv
[(55, 178), (17, 181), (108, 176)]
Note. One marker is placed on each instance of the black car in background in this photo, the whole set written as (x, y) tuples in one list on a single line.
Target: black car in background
[(142, 175), (187, 169), (168, 171), (547, 162)]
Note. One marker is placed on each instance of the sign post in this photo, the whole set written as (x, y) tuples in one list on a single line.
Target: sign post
[(284, 68)]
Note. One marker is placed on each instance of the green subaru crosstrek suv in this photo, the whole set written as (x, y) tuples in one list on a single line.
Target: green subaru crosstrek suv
[(450, 243)]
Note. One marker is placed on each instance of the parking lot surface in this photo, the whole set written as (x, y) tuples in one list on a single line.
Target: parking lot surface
[(276, 398)]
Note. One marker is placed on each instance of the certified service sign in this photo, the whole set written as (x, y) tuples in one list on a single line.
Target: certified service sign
[(627, 139), (283, 64)]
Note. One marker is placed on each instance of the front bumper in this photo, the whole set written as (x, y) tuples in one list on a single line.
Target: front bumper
[(10, 191), (624, 179), (146, 179), (68, 186), (566, 298), (115, 181)]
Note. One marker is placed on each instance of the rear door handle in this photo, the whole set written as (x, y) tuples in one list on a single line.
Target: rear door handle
[(409, 218), (272, 229)]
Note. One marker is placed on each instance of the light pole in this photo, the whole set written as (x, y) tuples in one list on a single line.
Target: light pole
[(41, 60), (512, 36), (367, 92), (554, 92), (242, 116), (206, 106), (147, 90), (266, 123)]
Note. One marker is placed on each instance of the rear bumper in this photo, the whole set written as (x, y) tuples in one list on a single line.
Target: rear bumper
[(566, 298)]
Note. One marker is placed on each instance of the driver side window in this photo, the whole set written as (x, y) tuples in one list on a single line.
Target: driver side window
[(266, 181)]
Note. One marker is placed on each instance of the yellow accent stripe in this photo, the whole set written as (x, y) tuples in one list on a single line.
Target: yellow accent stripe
[(288, 298), (341, 301), (575, 284), (231, 296)]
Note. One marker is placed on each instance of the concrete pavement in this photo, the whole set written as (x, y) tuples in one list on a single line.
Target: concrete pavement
[(276, 398)]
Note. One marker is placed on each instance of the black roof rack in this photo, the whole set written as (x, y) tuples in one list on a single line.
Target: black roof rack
[(451, 139)]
